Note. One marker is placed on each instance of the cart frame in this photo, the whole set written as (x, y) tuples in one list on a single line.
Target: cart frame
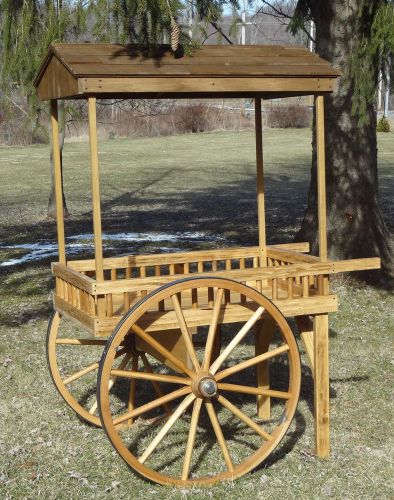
[(97, 293)]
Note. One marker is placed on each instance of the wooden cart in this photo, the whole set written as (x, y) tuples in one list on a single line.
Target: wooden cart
[(180, 322)]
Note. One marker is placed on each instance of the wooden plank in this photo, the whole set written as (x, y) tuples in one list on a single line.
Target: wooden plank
[(232, 313), (79, 317), (237, 60), (58, 183), (253, 274), (260, 183), (82, 70), (56, 82), (204, 84), (69, 275), (181, 257), (321, 386), (289, 255), (321, 178), (98, 244)]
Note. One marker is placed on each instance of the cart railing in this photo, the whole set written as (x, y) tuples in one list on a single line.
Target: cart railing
[(295, 281)]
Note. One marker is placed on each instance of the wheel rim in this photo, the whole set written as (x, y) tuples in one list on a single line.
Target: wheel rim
[(61, 348), (204, 383)]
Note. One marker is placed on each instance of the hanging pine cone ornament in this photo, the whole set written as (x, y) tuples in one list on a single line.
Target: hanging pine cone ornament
[(175, 34)]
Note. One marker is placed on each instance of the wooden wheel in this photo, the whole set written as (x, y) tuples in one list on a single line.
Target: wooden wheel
[(213, 432), (73, 360)]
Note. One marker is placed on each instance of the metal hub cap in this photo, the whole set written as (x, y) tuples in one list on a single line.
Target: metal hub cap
[(208, 387)]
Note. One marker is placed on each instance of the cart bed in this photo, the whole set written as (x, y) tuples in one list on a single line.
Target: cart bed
[(295, 281)]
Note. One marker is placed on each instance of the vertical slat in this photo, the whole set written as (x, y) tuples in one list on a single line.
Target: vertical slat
[(186, 268), (172, 269), (214, 265), (274, 289), (92, 306), (260, 182), (98, 244), (109, 304), (321, 178), (242, 263), (290, 288), (158, 273), (305, 286), (200, 267), (58, 182)]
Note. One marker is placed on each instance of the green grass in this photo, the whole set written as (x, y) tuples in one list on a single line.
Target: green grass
[(202, 183)]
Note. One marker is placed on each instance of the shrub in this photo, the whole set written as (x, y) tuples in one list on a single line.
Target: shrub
[(291, 116), (383, 125)]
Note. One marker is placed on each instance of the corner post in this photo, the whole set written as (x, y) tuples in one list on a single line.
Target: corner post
[(58, 182), (321, 178), (260, 183), (320, 323), (98, 244)]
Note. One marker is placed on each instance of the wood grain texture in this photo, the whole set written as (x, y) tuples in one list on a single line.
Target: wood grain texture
[(321, 386), (58, 183), (92, 69), (98, 243)]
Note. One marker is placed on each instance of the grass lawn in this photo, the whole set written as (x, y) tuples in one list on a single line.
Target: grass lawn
[(203, 185)]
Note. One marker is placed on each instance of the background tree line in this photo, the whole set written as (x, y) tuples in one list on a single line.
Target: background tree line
[(356, 36)]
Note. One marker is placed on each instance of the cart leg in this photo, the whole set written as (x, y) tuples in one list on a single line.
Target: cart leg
[(321, 386), (264, 333)]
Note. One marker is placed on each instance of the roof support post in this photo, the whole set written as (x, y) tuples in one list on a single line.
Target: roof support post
[(260, 183), (321, 178), (98, 243), (58, 182)]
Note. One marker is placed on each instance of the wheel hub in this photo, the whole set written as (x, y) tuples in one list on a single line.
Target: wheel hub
[(208, 387)]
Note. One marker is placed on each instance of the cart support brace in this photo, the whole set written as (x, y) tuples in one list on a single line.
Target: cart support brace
[(58, 182), (98, 245), (260, 182)]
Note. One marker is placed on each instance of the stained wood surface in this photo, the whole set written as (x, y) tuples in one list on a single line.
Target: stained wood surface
[(78, 69), (58, 183)]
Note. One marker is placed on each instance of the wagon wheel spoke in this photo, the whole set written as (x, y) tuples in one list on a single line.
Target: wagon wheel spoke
[(185, 332), (245, 389), (219, 435), (252, 361), (242, 416), (133, 383), (191, 438), (159, 377), (80, 373), (236, 340), (212, 329), (151, 405), (68, 341), (112, 380), (167, 426), (159, 348)]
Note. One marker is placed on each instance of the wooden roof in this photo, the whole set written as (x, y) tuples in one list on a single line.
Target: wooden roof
[(108, 70)]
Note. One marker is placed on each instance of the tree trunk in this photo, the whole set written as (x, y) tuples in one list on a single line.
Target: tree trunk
[(355, 223), (52, 198)]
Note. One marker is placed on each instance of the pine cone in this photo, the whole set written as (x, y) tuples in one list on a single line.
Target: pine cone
[(175, 35)]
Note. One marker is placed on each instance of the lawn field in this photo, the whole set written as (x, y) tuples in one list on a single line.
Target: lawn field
[(162, 194)]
